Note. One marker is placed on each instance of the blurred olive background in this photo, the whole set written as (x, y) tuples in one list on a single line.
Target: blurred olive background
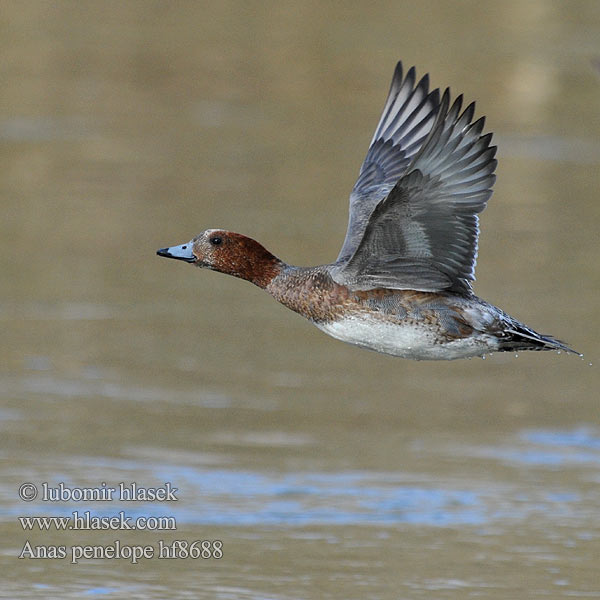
[(327, 471)]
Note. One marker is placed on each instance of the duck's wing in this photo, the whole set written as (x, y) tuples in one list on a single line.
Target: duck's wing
[(407, 118), (423, 234)]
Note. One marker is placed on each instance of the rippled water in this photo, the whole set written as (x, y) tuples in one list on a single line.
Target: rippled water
[(325, 471)]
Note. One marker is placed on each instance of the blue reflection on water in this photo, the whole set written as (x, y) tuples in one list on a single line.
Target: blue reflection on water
[(218, 496), (243, 498), (559, 447), (551, 448), (545, 458), (582, 437), (305, 498)]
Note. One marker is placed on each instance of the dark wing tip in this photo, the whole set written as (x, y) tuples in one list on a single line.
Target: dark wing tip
[(398, 71)]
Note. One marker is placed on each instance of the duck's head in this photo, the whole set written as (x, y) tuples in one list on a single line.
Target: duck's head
[(230, 253)]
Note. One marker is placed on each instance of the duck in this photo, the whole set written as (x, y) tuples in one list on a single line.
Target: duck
[(402, 282)]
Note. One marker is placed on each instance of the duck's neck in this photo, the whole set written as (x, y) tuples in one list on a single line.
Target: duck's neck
[(264, 270), (251, 261)]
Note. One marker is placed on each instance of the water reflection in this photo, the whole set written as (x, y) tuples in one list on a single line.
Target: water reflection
[(239, 498), (551, 449)]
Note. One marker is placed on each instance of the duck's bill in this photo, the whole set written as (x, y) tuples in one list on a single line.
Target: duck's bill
[(182, 252)]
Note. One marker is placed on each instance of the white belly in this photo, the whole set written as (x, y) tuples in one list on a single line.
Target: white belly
[(406, 340)]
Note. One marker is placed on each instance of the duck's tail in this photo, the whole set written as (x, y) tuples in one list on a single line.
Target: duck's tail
[(520, 337)]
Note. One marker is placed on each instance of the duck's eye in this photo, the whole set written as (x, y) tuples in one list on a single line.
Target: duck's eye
[(215, 240)]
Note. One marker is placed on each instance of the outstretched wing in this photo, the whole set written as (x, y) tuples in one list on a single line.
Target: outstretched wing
[(407, 119), (423, 234)]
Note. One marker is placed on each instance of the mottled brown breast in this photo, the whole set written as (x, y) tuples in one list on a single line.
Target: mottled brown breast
[(310, 292)]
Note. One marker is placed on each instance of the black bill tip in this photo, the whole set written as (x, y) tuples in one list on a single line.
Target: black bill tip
[(182, 252)]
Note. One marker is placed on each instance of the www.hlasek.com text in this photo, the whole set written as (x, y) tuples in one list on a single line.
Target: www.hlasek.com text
[(88, 522)]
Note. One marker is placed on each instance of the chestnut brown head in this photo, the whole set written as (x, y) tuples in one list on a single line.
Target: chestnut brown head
[(230, 253)]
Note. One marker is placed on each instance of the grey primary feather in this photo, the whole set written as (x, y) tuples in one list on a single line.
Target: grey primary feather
[(416, 226), (407, 118)]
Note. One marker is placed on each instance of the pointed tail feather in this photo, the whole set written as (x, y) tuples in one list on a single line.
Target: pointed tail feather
[(519, 337)]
